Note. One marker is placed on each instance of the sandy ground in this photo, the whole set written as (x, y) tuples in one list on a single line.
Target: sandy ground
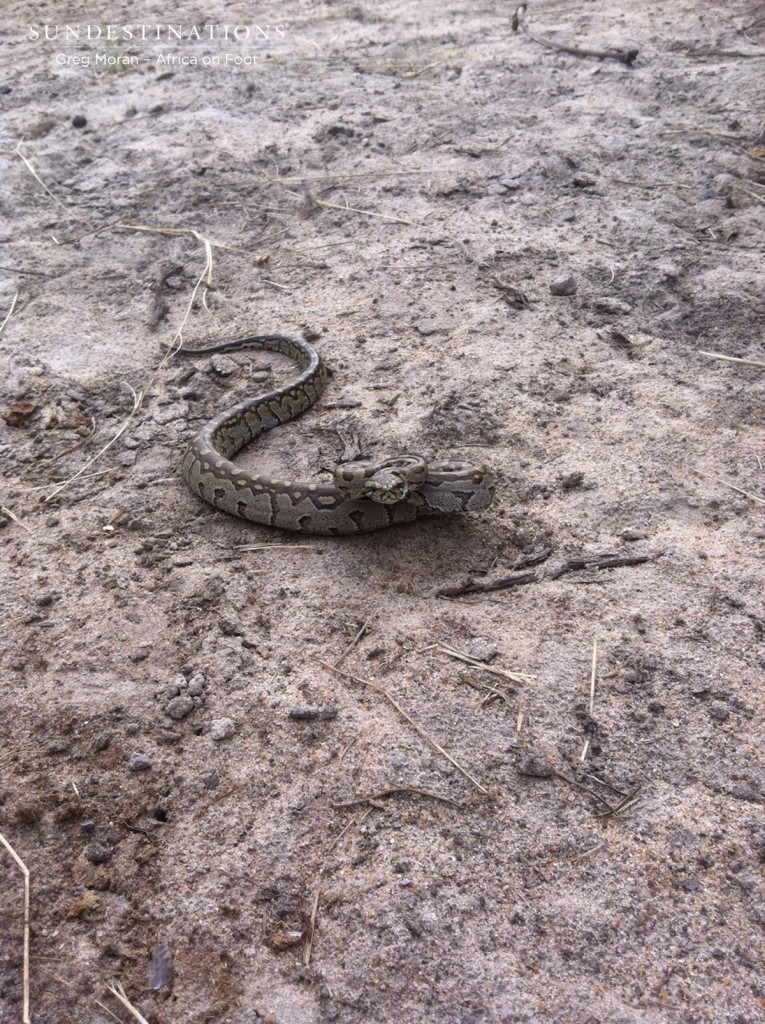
[(404, 182)]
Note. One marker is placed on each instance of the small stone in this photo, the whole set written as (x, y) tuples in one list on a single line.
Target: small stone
[(167, 737), (631, 535), (481, 650), (223, 366), (179, 707), (563, 285), (196, 686), (221, 729), (139, 763), (605, 304), (719, 714), (425, 330), (231, 626), (78, 121), (572, 481), (96, 853)]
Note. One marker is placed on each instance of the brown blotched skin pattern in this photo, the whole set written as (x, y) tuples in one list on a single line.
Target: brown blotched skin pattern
[(364, 497)]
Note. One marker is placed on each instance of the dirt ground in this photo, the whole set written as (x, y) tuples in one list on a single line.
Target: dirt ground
[(180, 758)]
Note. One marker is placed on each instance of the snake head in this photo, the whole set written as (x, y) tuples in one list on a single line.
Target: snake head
[(386, 486)]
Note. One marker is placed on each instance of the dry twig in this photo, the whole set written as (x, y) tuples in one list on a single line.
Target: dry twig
[(572, 565), (370, 797), (627, 57)]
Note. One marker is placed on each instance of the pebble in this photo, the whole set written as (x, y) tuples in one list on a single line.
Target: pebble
[(605, 304), (78, 121), (480, 650), (231, 626), (631, 535), (179, 707), (96, 853), (563, 285), (223, 366), (196, 686), (221, 729), (139, 763)]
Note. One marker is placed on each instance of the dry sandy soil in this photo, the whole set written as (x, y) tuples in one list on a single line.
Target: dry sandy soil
[(404, 182)]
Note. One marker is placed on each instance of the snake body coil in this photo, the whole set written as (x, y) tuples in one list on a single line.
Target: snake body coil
[(364, 497)]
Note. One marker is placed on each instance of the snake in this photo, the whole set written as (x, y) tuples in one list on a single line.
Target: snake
[(364, 495)]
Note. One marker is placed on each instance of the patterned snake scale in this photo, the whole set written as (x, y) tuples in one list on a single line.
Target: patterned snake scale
[(363, 497)]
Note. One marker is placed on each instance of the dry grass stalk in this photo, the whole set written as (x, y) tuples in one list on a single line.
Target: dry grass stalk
[(204, 280), (415, 725), (353, 642), (12, 515), (273, 547), (38, 179), (732, 359), (9, 314), (119, 993), (309, 178), (739, 490), (365, 213), (71, 987), (513, 677), (26, 1019), (308, 949), (137, 400), (314, 910)]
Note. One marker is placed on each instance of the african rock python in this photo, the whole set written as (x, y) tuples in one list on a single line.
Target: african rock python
[(365, 496)]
